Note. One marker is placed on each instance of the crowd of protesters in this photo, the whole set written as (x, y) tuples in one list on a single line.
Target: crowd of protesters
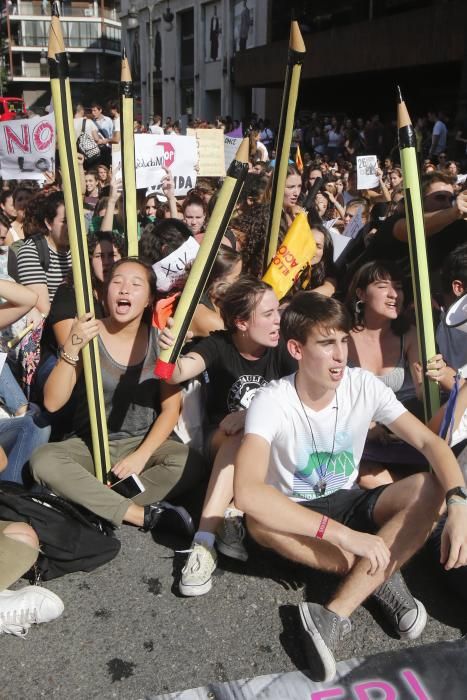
[(340, 351)]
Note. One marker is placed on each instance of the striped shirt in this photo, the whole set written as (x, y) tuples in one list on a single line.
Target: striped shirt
[(30, 270)]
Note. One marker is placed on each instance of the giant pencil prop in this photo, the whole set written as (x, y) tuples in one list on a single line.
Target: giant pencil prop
[(127, 146), (284, 139), (418, 256), (60, 86), (204, 260)]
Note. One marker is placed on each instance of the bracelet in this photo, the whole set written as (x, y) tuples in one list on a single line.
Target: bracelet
[(69, 358), (456, 502), (322, 527)]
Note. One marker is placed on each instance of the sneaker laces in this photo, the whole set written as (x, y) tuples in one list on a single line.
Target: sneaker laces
[(393, 604), (393, 600), (200, 558), (17, 622)]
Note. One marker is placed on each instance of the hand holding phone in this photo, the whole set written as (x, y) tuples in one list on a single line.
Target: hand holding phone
[(129, 487)]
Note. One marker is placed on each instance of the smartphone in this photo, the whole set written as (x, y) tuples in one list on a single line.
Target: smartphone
[(129, 487)]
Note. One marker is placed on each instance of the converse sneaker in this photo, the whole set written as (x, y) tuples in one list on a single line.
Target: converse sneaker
[(25, 607), (321, 631), (406, 614), (229, 540), (197, 572), (175, 518)]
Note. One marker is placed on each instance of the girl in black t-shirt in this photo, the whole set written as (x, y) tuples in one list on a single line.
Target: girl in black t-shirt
[(238, 361)]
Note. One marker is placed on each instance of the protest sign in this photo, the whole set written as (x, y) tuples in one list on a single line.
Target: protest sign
[(340, 243), (154, 152), (231, 146), (366, 172), (293, 255), (27, 148), (211, 151), (173, 268)]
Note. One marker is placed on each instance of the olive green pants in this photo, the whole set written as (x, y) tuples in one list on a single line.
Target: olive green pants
[(67, 469)]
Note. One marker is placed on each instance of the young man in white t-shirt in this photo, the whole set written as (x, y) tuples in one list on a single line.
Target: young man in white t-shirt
[(296, 472)]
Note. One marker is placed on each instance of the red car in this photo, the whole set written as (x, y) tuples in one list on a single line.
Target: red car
[(12, 108)]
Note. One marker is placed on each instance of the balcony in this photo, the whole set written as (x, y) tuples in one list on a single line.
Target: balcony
[(34, 8), (37, 42)]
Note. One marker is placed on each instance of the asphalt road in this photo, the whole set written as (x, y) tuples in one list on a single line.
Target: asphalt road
[(127, 633)]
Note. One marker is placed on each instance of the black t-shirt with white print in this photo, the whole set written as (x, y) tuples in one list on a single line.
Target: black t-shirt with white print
[(233, 380)]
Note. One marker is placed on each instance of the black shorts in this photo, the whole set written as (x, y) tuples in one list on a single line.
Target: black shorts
[(351, 507)]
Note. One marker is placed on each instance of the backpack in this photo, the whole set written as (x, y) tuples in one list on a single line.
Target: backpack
[(87, 147), (71, 538)]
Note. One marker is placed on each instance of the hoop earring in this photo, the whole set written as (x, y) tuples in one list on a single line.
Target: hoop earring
[(359, 304)]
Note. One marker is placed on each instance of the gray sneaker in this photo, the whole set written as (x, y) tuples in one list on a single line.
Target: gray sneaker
[(229, 540), (406, 614), (321, 630)]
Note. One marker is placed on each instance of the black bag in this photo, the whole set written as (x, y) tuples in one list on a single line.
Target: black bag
[(71, 538), (88, 147)]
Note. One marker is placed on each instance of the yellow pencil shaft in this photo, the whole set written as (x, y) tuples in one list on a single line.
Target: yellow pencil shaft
[(420, 271), (199, 269), (80, 265), (282, 161), (129, 175)]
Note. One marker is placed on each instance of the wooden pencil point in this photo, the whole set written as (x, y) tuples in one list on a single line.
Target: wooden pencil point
[(296, 42), (125, 75), (242, 154), (56, 43)]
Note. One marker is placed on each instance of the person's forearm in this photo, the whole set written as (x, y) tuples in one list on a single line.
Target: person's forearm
[(444, 464), (160, 431), (107, 222), (435, 222), (59, 385), (384, 190), (339, 207), (187, 367), (173, 207), (263, 503), (17, 294)]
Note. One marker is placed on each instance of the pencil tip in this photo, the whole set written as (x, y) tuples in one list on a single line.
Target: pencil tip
[(123, 53), (400, 99), (55, 9)]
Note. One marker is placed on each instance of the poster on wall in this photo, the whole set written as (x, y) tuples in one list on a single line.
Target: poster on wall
[(212, 32), (244, 25)]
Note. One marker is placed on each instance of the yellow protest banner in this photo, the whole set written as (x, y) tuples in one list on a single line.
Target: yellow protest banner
[(293, 256)]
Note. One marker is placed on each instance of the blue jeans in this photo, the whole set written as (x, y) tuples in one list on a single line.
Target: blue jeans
[(10, 391), (19, 437)]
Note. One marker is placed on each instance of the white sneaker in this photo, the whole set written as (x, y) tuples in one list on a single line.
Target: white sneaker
[(25, 607), (229, 540), (197, 573)]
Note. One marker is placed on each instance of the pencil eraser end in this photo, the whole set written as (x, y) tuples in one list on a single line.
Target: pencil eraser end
[(164, 370)]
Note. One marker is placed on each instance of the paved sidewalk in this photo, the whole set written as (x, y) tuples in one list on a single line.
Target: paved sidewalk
[(127, 633)]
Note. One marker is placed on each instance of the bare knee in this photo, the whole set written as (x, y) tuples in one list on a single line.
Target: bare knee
[(22, 532), (371, 475)]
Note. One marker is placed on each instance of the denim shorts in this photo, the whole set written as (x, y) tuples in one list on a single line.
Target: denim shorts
[(351, 507)]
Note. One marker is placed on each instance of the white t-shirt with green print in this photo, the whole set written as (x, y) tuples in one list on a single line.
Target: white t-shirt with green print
[(299, 466)]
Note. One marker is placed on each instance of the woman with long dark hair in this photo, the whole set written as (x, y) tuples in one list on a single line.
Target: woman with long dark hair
[(141, 412)]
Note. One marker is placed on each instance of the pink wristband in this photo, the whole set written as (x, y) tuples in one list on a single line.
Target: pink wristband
[(322, 527)]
